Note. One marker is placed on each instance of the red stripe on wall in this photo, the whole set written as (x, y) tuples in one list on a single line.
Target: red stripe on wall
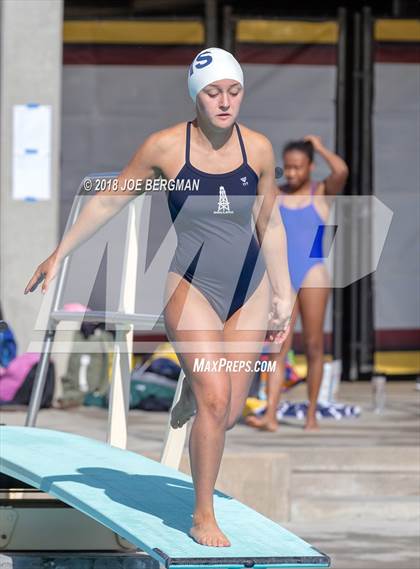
[(128, 55), (247, 53), (299, 54), (384, 340), (397, 339), (77, 54), (397, 53)]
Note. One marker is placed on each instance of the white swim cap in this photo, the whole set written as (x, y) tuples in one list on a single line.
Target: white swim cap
[(212, 64)]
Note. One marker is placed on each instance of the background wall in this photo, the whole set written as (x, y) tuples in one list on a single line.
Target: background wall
[(397, 175), (31, 54)]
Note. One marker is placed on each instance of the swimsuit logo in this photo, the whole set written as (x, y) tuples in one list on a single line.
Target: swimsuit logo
[(223, 204), (244, 182)]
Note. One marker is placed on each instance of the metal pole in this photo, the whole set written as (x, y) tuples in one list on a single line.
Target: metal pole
[(340, 144), (211, 23), (228, 29), (42, 367), (40, 378), (366, 328), (396, 8), (354, 182)]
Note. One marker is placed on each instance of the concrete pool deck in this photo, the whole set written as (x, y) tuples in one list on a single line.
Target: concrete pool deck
[(350, 489)]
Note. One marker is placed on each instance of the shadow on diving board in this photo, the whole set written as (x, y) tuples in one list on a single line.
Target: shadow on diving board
[(147, 503)]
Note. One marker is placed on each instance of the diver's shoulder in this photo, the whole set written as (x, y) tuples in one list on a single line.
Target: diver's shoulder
[(255, 138), (169, 137)]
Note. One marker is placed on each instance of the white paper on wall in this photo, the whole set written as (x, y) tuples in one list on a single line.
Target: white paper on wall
[(31, 161), (31, 177)]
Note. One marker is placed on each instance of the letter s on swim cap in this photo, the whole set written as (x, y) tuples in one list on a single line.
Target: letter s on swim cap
[(212, 64)]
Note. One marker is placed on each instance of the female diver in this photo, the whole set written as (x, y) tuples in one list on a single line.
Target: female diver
[(221, 295)]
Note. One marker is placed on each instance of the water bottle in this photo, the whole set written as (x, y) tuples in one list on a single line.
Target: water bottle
[(84, 364), (337, 368), (262, 391), (325, 391), (378, 393)]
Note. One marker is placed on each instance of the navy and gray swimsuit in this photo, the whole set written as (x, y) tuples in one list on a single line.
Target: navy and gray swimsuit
[(217, 249)]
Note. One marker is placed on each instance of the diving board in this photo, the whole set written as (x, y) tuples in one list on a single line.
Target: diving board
[(146, 502)]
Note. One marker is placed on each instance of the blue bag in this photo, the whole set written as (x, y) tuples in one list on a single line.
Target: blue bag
[(8, 348)]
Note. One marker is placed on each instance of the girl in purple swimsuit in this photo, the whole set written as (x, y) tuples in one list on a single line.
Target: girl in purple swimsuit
[(304, 207)]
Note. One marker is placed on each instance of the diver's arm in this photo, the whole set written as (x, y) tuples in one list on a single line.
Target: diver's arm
[(99, 210), (271, 232), (336, 181)]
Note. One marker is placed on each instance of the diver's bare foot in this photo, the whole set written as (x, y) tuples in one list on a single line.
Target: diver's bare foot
[(262, 423), (185, 408), (209, 533)]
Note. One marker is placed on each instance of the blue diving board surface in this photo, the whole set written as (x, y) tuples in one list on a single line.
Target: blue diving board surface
[(147, 503)]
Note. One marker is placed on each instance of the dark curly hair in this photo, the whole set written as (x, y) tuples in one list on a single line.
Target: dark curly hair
[(304, 146)]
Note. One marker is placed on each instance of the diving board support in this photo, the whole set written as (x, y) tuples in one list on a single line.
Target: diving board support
[(119, 400), (125, 320), (174, 443), (120, 383)]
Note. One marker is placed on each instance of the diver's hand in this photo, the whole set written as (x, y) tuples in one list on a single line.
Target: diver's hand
[(46, 271), (316, 142), (279, 320)]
